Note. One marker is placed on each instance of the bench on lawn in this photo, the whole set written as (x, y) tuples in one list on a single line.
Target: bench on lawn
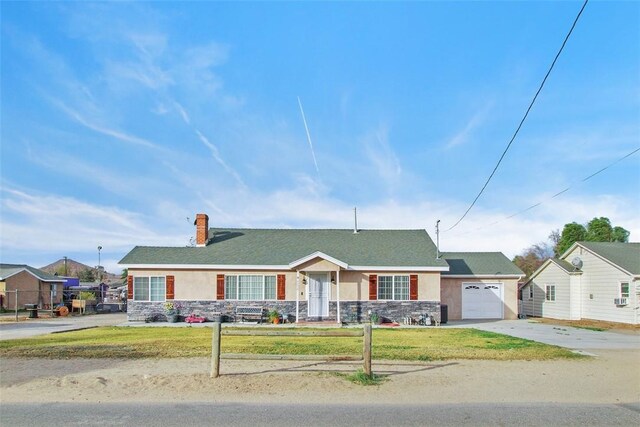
[(252, 313)]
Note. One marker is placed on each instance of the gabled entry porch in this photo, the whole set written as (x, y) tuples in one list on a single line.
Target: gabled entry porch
[(318, 273)]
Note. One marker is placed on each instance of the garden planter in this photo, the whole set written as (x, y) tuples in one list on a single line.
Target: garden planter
[(172, 318)]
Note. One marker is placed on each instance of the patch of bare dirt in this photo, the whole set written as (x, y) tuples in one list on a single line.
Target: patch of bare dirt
[(609, 326), (613, 377)]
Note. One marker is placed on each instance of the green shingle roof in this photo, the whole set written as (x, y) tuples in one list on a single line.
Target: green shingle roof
[(238, 246), (566, 266), (479, 263), (8, 270), (625, 255)]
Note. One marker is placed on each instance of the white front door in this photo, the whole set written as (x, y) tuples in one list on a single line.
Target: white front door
[(318, 295)]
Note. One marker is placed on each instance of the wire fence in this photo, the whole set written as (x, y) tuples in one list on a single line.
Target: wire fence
[(51, 301)]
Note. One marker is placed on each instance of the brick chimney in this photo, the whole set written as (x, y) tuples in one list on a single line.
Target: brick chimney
[(202, 229)]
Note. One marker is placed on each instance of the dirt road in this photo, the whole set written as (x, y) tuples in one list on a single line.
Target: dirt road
[(613, 377)]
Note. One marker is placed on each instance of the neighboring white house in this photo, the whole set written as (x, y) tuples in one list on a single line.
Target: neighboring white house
[(591, 280)]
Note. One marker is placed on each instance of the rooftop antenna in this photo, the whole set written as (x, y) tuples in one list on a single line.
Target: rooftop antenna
[(438, 239), (355, 220)]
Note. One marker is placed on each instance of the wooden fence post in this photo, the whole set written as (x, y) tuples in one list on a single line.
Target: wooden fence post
[(215, 351), (366, 351)]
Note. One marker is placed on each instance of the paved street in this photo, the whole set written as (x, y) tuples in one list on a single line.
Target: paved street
[(375, 414), (33, 327)]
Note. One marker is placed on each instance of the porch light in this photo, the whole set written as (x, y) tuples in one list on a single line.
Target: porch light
[(304, 281)]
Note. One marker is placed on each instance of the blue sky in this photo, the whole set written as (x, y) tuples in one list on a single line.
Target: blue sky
[(121, 120)]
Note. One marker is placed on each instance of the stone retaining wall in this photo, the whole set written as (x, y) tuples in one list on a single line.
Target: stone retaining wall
[(350, 311)]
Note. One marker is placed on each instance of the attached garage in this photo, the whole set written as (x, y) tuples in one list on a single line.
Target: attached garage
[(482, 300), (480, 285)]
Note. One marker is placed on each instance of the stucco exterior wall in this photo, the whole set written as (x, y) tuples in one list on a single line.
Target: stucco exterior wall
[(30, 291), (318, 264), (354, 285), (451, 295)]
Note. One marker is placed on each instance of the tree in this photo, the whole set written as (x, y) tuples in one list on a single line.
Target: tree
[(554, 237), (533, 257), (86, 275), (571, 233), (619, 234), (599, 230)]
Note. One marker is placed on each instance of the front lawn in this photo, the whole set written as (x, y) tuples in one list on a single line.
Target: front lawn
[(391, 344)]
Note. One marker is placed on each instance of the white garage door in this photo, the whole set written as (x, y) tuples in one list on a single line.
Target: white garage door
[(482, 301)]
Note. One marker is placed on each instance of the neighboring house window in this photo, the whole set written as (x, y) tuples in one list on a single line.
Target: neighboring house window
[(393, 288), (624, 290), (54, 290), (250, 288), (149, 288), (530, 291), (551, 293)]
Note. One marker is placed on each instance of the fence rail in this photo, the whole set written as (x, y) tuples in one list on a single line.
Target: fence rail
[(217, 334)]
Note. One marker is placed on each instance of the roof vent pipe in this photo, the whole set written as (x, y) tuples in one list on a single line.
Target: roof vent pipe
[(355, 220)]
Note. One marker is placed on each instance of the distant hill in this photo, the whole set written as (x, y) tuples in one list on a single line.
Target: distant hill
[(75, 269)]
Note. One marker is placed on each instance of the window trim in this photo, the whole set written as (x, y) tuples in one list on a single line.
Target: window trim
[(623, 282), (264, 286), (393, 287), (547, 292), (164, 288)]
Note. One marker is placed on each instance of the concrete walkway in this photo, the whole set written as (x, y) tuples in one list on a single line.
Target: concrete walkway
[(33, 327), (562, 336)]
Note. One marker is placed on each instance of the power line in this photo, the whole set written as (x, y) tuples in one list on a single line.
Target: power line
[(559, 193), (523, 118)]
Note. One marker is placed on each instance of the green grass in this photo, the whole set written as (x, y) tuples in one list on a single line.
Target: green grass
[(360, 378), (429, 344)]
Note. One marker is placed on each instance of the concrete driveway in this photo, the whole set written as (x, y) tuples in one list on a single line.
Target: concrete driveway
[(32, 327), (562, 336)]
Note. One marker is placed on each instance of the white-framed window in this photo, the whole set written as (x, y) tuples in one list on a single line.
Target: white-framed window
[(54, 290), (550, 291), (247, 287), (393, 288), (149, 288), (530, 291), (624, 289)]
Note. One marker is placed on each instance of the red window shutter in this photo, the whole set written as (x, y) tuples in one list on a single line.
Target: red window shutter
[(169, 284), (413, 287), (281, 286), (373, 287), (220, 283), (129, 287)]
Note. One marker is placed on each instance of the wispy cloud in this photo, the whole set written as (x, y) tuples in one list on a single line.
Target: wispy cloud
[(215, 153), (114, 133), (382, 157), (183, 113), (34, 221), (476, 121)]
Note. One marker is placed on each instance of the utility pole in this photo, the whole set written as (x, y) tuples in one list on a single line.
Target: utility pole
[(438, 239), (99, 270)]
